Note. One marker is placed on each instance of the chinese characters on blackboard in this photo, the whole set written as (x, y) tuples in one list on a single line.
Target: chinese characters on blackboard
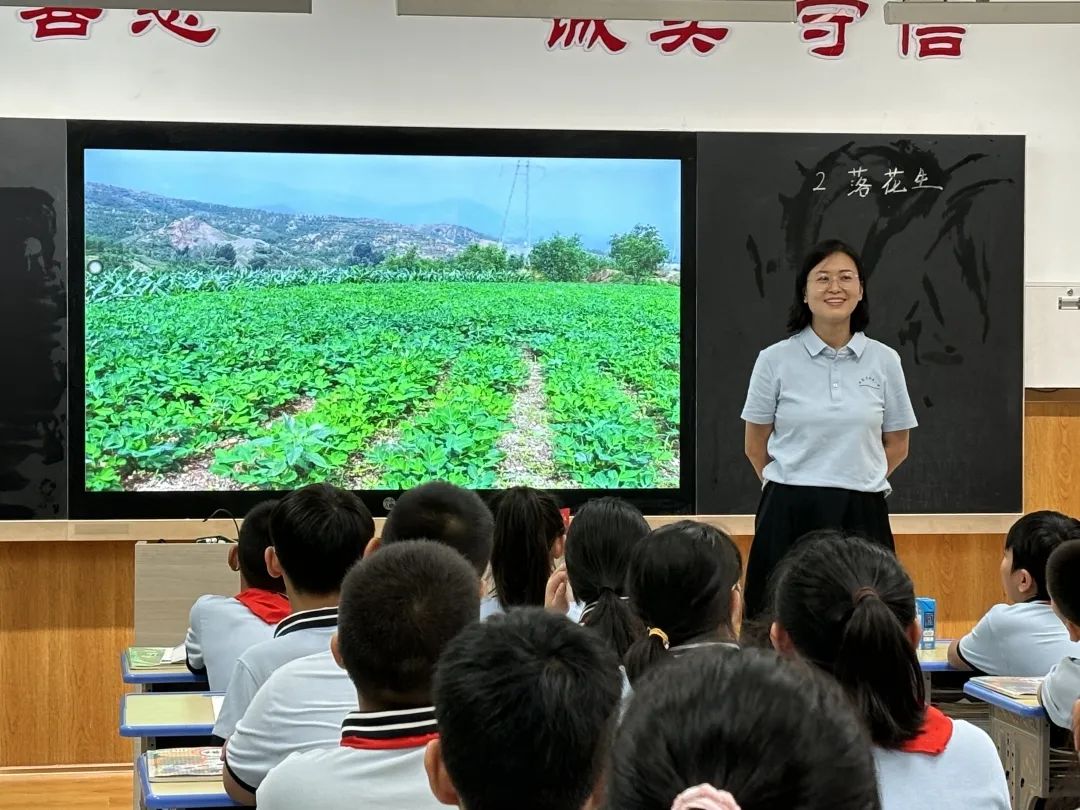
[(894, 183)]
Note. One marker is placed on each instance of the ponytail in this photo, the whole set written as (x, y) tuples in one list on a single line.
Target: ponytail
[(877, 665), (611, 616), (847, 605), (527, 524), (646, 653)]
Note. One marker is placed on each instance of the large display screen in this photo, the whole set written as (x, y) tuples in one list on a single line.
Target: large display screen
[(261, 320)]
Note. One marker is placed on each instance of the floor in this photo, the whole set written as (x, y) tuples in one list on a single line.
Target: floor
[(110, 790)]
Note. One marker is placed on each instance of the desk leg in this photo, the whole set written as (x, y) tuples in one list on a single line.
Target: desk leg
[(1023, 744), (138, 746), (927, 687)]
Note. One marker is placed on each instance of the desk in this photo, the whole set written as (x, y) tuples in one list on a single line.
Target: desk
[(161, 674), (166, 795), (168, 714), (1021, 731), (935, 660)]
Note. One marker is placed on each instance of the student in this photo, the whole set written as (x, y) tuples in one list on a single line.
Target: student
[(221, 628), (599, 542), (683, 582), (1024, 638), (317, 533), (1061, 689), (525, 704), (445, 513), (399, 609), (308, 697), (848, 606), (743, 730), (529, 537)]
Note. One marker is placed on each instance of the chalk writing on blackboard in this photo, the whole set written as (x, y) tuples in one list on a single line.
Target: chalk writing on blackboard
[(894, 182)]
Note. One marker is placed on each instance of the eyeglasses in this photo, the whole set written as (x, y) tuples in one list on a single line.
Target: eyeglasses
[(824, 280)]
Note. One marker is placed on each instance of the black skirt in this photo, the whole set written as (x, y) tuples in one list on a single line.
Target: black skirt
[(785, 513)]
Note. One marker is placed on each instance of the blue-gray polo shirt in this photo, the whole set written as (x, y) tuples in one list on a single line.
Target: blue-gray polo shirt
[(828, 409)]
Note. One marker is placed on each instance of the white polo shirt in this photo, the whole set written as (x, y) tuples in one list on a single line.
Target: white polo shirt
[(220, 630), (1024, 640), (303, 633), (1060, 690), (489, 606), (828, 409), (378, 765), (300, 707), (967, 775)]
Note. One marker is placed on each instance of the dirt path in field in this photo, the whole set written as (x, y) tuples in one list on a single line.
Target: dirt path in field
[(528, 445), (670, 470), (194, 473)]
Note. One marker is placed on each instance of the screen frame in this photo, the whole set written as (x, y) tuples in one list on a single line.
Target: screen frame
[(83, 135)]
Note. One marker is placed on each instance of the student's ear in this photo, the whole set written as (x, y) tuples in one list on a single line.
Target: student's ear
[(273, 565), (234, 558), (1025, 582), (914, 633), (438, 779), (373, 545), (558, 548), (780, 639), (737, 607), (335, 650), (1074, 630)]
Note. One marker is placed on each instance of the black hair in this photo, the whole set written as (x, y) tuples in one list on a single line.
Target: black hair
[(598, 545), (1063, 579), (399, 609), (681, 581), (527, 524), (251, 548), (526, 704), (318, 532), (447, 514), (800, 316), (1033, 538), (847, 605), (770, 732)]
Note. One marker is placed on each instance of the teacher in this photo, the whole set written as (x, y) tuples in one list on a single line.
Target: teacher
[(827, 419)]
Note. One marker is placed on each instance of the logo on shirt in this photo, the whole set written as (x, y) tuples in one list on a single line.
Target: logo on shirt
[(870, 381)]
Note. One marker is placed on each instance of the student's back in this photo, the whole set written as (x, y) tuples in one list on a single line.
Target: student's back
[(848, 606), (222, 628), (317, 533), (1060, 690), (399, 608), (1023, 638)]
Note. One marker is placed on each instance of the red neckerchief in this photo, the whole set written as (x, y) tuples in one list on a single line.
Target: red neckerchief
[(395, 744), (933, 737), (269, 606)]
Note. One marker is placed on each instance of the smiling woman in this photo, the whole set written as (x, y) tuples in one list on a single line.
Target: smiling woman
[(827, 418)]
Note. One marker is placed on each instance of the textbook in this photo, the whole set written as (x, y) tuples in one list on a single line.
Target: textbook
[(183, 764), (150, 657), (1016, 688)]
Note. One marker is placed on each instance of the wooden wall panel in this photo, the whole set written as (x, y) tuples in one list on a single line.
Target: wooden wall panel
[(66, 608), (65, 614)]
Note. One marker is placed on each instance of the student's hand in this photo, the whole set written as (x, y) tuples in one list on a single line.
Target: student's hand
[(558, 595), (1076, 725)]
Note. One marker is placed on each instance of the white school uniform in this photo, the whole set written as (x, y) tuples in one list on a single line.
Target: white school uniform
[(1060, 690), (300, 707), (1024, 640), (303, 633), (385, 771), (967, 775), (220, 630), (489, 606)]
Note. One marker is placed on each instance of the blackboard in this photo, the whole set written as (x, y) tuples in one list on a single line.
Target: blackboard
[(939, 223), (33, 319)]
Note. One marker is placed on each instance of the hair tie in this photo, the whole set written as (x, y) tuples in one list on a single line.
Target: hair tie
[(704, 797), (863, 593), (660, 634)]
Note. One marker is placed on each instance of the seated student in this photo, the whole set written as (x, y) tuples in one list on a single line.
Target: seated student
[(848, 606), (317, 533), (526, 705), (221, 628), (311, 714), (599, 542), (529, 536), (743, 730), (1024, 638), (683, 581), (1061, 689), (443, 512), (399, 609)]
